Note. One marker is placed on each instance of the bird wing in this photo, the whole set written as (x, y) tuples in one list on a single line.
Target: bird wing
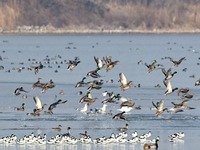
[(169, 86), (154, 105), (37, 102), (161, 105), (123, 79), (164, 71), (128, 103)]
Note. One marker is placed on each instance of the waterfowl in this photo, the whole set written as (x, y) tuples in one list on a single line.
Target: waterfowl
[(169, 88), (182, 90), (151, 67), (125, 84), (95, 84), (99, 63), (182, 106), (47, 86), (187, 95), (53, 105), (94, 73), (119, 116), (176, 63), (21, 108), (80, 83), (151, 146), (128, 106), (109, 63), (19, 90), (37, 68), (168, 74), (83, 135), (102, 110), (37, 83), (86, 97), (68, 132), (197, 82), (57, 128), (39, 106), (159, 107), (73, 63), (124, 129)]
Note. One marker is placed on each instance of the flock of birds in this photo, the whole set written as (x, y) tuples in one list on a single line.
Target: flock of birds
[(61, 139), (110, 98)]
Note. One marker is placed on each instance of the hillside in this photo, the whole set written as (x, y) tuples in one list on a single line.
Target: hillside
[(99, 15)]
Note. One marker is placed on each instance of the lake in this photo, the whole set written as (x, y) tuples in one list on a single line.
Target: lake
[(21, 53)]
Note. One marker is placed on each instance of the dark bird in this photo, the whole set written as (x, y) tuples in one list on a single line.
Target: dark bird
[(80, 83), (168, 74), (182, 90), (19, 90), (37, 68), (21, 108), (94, 73), (73, 63), (178, 62), (53, 105), (151, 67), (179, 107), (119, 116)]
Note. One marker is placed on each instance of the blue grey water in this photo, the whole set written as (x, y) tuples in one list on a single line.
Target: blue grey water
[(129, 49)]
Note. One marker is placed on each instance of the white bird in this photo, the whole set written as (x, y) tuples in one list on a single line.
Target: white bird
[(169, 88), (125, 84)]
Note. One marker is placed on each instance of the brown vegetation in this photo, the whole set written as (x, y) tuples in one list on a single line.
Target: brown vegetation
[(99, 15)]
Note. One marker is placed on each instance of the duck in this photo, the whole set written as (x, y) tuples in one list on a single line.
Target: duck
[(86, 97), (151, 67), (94, 73), (187, 96), (99, 62), (84, 109), (176, 63), (19, 90), (37, 83), (73, 63), (119, 116), (68, 132), (39, 107), (168, 74), (159, 106), (128, 106), (151, 146), (169, 88), (109, 63), (197, 82), (80, 83), (53, 105), (125, 84), (57, 128), (182, 90), (182, 105), (21, 108), (124, 129), (37, 68)]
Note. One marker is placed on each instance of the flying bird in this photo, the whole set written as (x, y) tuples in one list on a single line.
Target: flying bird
[(125, 84)]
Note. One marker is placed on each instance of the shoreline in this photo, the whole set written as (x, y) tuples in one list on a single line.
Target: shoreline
[(63, 31)]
